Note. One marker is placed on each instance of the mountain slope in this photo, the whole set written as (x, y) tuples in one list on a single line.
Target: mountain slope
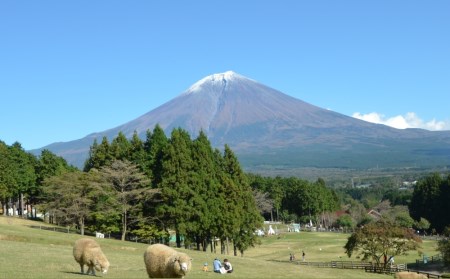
[(264, 125)]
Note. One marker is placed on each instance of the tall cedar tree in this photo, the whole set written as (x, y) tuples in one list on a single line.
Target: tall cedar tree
[(176, 190), (120, 147), (137, 152), (154, 147), (205, 202), (99, 155), (240, 201)]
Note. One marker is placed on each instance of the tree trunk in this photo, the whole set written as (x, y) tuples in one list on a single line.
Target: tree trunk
[(81, 221), (226, 246), (21, 205), (14, 208), (124, 225)]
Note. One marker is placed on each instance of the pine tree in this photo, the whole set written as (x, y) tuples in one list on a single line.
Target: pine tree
[(120, 148), (154, 146), (241, 206), (99, 155), (205, 202), (137, 151), (176, 191)]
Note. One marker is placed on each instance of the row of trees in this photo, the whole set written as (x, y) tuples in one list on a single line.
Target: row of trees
[(22, 175), (297, 200), (151, 186)]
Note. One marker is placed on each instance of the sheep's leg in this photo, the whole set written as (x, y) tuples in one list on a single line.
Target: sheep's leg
[(91, 270), (82, 268)]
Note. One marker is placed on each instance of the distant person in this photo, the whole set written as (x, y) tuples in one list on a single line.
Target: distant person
[(227, 266), (291, 257), (205, 267), (391, 261), (303, 255)]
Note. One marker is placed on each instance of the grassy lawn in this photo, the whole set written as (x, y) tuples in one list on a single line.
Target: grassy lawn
[(32, 253)]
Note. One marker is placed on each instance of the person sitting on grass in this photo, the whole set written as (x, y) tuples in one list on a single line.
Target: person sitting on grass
[(227, 266), (218, 268)]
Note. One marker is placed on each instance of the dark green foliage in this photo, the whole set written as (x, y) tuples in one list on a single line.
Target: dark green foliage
[(444, 246), (137, 151), (430, 200), (176, 190), (154, 146), (120, 148), (201, 193), (49, 165), (99, 155), (240, 207), (206, 185)]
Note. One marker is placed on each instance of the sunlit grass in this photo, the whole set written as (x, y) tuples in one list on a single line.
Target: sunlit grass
[(32, 253)]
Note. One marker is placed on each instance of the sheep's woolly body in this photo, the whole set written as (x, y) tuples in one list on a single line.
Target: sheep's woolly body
[(409, 275), (162, 261), (86, 251)]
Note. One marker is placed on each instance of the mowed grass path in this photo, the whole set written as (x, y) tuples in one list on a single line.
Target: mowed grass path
[(32, 253)]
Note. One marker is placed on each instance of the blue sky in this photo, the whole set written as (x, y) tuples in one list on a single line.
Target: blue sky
[(70, 68)]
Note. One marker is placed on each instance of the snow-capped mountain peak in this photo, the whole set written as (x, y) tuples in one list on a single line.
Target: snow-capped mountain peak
[(219, 79)]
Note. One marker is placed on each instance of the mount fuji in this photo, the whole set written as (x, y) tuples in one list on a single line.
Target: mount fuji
[(267, 128)]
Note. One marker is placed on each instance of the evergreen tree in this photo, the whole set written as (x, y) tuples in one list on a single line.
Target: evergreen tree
[(205, 185), (120, 148), (24, 175), (6, 177), (99, 155), (137, 151), (241, 215), (430, 199), (176, 190), (154, 146)]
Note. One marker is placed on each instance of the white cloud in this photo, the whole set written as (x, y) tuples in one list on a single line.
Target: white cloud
[(409, 120)]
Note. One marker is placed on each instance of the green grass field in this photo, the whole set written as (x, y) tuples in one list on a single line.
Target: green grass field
[(32, 253)]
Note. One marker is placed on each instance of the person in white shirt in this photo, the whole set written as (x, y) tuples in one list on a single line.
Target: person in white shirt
[(227, 265)]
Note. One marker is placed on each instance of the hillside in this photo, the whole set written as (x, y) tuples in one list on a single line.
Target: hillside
[(267, 128), (34, 253)]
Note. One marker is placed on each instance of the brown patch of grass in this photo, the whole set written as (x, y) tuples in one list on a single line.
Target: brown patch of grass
[(13, 238)]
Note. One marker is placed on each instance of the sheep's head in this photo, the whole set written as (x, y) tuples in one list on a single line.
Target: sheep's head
[(182, 264), (102, 265)]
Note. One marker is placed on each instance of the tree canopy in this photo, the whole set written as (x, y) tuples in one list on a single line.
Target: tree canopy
[(430, 200), (381, 239)]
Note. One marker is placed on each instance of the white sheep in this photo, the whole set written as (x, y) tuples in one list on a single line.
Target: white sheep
[(162, 261), (86, 251), (409, 275)]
